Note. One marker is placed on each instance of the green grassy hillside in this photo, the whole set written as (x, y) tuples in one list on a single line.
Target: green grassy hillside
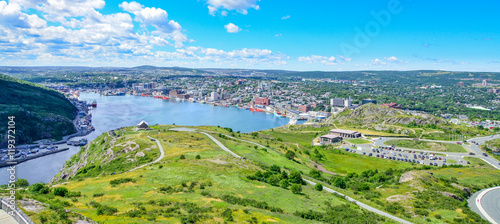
[(377, 120), (198, 182), (40, 113)]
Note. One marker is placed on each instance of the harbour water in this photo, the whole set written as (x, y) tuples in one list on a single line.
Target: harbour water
[(119, 111)]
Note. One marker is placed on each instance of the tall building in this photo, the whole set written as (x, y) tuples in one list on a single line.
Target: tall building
[(304, 108), (484, 83), (337, 102), (264, 101), (214, 96)]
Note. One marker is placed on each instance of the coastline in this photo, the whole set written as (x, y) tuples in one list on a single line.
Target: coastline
[(64, 140)]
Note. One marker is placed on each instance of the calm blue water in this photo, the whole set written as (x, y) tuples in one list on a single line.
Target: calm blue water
[(119, 111)]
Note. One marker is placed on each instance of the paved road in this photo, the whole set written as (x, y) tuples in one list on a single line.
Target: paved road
[(6, 218), (223, 147), (162, 154), (487, 204), (360, 204)]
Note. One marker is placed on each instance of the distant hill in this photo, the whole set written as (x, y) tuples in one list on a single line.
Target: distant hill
[(41, 113), (384, 119)]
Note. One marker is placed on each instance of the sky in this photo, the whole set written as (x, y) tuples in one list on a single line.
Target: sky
[(321, 35)]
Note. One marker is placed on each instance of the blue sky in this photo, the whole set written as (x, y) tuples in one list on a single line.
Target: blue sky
[(294, 35)]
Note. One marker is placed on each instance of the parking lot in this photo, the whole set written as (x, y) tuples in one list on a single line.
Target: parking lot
[(404, 155)]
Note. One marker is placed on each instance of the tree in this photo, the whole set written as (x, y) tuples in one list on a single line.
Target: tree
[(339, 182), (295, 178), (296, 188), (60, 191), (22, 183), (290, 155), (318, 187), (284, 184)]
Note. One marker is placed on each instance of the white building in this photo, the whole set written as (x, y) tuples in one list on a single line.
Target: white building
[(214, 96)]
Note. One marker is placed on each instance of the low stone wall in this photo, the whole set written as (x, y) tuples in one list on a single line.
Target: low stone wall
[(16, 213)]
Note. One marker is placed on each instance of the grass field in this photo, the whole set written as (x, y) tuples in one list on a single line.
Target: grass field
[(226, 176), (425, 145)]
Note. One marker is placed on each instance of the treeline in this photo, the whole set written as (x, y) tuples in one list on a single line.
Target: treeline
[(40, 113)]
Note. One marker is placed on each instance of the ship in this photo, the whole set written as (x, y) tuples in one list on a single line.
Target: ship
[(94, 103), (120, 93), (278, 114), (256, 109)]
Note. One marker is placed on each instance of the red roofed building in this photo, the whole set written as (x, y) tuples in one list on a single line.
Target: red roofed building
[(392, 105), (264, 101)]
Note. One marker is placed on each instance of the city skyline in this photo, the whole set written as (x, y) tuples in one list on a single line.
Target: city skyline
[(330, 36)]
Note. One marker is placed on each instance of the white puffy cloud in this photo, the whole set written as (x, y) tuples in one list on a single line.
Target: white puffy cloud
[(158, 18), (285, 17), (331, 60), (231, 28), (376, 61), (78, 34), (240, 6), (393, 59)]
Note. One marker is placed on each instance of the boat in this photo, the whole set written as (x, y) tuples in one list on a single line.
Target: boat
[(166, 98), (278, 114), (120, 94), (256, 109), (94, 103)]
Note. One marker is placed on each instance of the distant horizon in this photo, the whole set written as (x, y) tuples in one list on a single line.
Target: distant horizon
[(396, 35), (255, 69)]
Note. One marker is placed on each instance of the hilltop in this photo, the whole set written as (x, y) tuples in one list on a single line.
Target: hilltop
[(41, 113), (380, 120), (120, 178)]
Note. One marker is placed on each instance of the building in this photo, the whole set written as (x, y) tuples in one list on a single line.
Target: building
[(392, 105), (337, 102), (484, 83), (337, 135), (493, 90), (304, 108), (460, 84), (172, 93), (214, 96), (264, 101), (365, 101), (345, 133), (329, 139), (143, 125)]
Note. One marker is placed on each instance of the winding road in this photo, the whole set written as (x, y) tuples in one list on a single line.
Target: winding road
[(162, 154), (360, 204), (487, 204)]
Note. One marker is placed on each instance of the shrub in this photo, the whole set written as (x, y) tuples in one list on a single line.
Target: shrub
[(284, 184), (339, 182), (121, 181), (35, 188), (198, 157), (296, 188), (228, 215), (290, 155), (60, 191), (22, 183), (318, 187), (98, 194), (182, 157)]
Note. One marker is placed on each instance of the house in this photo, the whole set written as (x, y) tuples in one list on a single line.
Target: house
[(337, 135), (345, 133), (143, 125), (329, 139)]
